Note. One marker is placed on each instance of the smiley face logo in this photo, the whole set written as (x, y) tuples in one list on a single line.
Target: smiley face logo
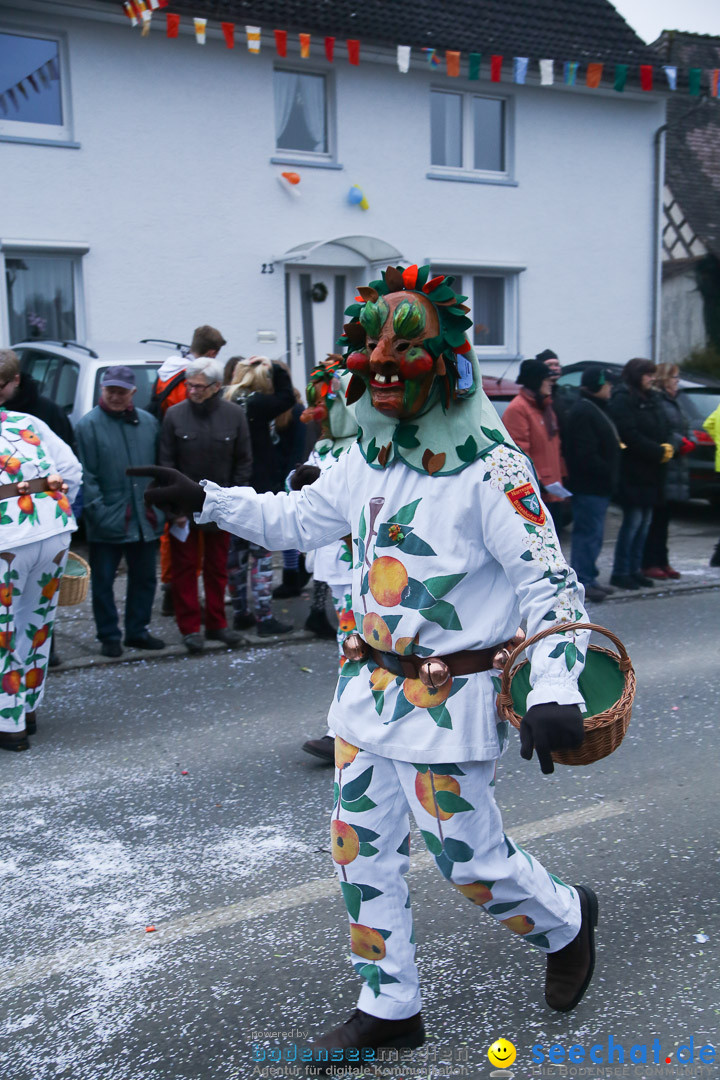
[(502, 1054)]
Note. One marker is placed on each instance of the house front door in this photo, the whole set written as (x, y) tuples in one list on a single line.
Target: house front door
[(316, 301)]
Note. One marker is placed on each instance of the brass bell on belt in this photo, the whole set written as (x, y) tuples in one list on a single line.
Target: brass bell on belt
[(354, 647), (434, 672)]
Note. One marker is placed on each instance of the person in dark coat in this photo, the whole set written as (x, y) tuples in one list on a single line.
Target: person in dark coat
[(639, 416), (591, 448), (291, 451), (264, 391), (656, 560), (204, 437)]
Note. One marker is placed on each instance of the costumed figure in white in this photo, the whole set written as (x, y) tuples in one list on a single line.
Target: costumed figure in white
[(452, 548)]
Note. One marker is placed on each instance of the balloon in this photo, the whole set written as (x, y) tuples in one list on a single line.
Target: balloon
[(355, 195), (291, 177)]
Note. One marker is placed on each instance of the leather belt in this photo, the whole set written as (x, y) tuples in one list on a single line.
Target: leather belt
[(33, 487), (467, 662), (431, 670)]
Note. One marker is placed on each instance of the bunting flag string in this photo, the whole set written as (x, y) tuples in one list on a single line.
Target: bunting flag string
[(39, 80), (139, 12)]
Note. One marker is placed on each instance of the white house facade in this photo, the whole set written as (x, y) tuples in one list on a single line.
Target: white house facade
[(143, 194)]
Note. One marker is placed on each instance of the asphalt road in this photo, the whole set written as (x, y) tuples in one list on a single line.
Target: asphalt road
[(175, 795)]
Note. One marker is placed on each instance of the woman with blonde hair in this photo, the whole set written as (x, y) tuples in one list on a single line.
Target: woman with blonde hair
[(264, 390), (656, 560)]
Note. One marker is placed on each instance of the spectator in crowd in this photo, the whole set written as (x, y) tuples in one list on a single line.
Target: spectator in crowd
[(591, 447), (112, 437), (640, 418), (290, 451), (531, 421), (21, 393), (39, 476), (264, 391), (712, 426), (170, 390), (204, 437), (656, 560)]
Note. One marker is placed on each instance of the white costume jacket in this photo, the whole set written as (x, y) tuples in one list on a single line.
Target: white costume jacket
[(441, 564)]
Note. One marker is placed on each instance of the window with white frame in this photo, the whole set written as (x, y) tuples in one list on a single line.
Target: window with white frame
[(469, 132), (33, 87), (493, 301), (301, 112), (43, 294)]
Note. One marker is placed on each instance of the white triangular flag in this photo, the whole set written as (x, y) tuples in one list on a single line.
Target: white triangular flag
[(403, 59), (671, 73), (200, 27), (547, 72)]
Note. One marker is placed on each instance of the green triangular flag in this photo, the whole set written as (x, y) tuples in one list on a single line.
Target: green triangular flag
[(621, 71), (694, 76), (474, 65)]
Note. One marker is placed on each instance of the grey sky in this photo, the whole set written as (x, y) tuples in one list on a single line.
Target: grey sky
[(650, 17)]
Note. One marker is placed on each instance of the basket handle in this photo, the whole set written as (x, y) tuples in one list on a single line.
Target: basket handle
[(505, 697)]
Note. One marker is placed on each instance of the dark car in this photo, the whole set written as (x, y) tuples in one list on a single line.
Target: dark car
[(500, 391), (698, 396)]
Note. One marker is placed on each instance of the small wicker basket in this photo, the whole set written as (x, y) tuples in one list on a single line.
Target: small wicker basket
[(74, 582), (611, 673)]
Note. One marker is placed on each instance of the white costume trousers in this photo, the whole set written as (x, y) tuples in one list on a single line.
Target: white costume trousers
[(29, 582), (454, 806)]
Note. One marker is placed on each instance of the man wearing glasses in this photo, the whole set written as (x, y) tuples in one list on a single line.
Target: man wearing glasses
[(204, 436)]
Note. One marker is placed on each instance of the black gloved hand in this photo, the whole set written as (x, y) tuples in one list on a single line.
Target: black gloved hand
[(304, 474), (549, 727), (170, 489)]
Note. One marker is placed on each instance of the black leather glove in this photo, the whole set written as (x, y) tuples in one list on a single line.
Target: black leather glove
[(170, 489), (549, 727), (304, 474)]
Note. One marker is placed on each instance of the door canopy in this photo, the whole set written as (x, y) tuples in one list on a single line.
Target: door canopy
[(343, 251)]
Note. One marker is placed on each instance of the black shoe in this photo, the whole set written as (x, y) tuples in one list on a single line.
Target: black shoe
[(271, 626), (54, 660), (231, 638), (194, 643), (624, 581), (323, 748), (361, 1030), (290, 585), (320, 625), (111, 647), (597, 595), (14, 740), (145, 641), (244, 621), (167, 607), (569, 970), (715, 557), (642, 580), (31, 722), (607, 589)]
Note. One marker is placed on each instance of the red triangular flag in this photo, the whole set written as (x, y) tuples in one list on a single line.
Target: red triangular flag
[(496, 68), (646, 76), (173, 25), (281, 42), (228, 30), (329, 49), (353, 48)]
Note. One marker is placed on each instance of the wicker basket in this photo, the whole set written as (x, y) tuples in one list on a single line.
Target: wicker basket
[(613, 673), (74, 582)]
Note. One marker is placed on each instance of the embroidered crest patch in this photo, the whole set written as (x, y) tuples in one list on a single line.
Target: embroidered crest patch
[(527, 504)]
